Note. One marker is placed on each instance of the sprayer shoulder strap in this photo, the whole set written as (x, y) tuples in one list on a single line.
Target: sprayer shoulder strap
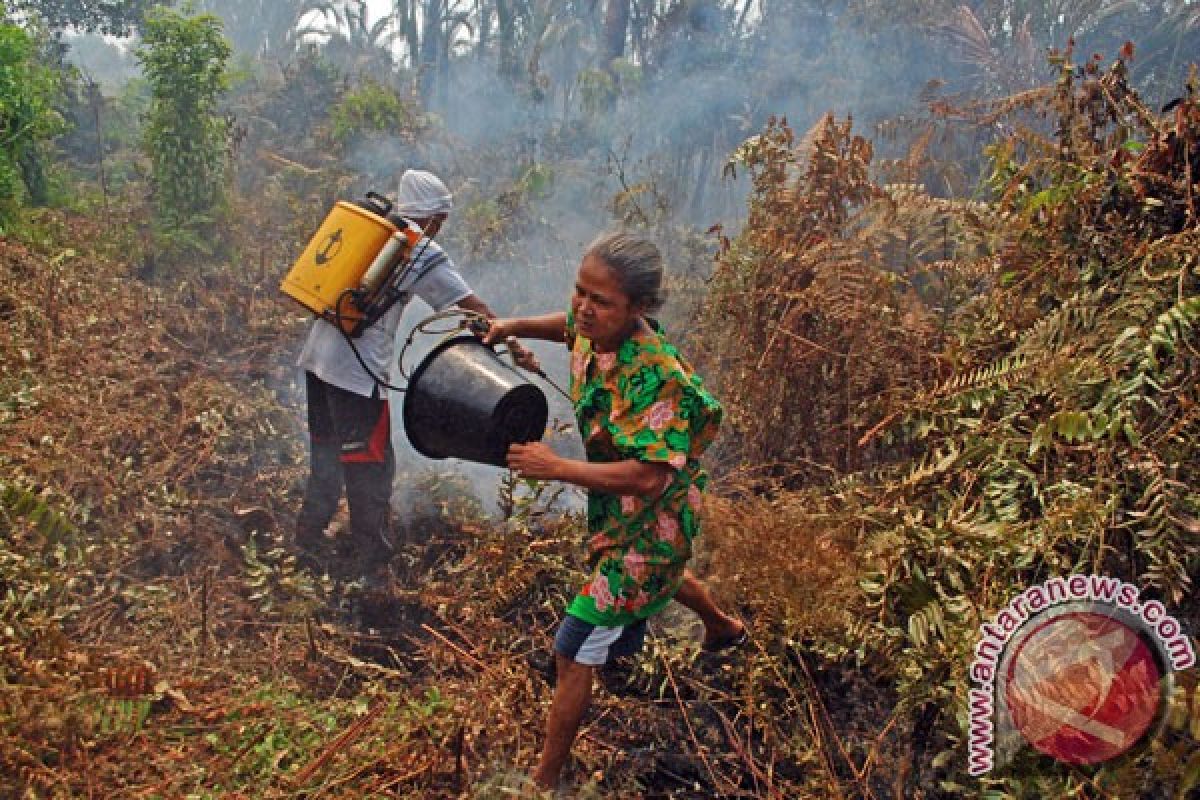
[(390, 298)]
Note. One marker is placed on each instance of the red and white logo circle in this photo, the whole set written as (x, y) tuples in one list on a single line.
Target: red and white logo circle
[(1083, 686)]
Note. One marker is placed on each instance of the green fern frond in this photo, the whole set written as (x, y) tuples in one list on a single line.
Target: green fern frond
[(17, 501), (1076, 315), (1144, 357), (1076, 427), (1001, 374), (1164, 531), (927, 623), (1171, 328), (844, 486), (931, 464)]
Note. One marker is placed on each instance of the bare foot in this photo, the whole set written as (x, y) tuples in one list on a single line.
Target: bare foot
[(544, 783)]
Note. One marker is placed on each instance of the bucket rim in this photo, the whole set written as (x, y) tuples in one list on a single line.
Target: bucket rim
[(429, 358)]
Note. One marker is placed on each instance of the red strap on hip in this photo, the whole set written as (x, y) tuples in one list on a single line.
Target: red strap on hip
[(375, 450)]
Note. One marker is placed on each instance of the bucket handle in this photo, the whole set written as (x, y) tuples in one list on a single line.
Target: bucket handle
[(477, 324)]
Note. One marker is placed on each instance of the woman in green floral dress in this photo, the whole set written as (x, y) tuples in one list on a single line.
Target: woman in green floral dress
[(645, 418)]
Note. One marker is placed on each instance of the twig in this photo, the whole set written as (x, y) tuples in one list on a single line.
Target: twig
[(287, 162), (747, 758), (815, 700), (459, 758), (408, 776), (814, 726), (313, 652), (807, 341), (778, 328), (251, 743), (441, 638), (620, 171), (865, 772), (204, 616), (826, 758), (879, 426), (700, 751), (347, 737)]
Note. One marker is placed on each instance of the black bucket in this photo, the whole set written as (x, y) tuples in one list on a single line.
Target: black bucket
[(464, 402)]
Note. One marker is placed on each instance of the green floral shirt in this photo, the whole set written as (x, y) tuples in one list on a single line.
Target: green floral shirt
[(642, 402)]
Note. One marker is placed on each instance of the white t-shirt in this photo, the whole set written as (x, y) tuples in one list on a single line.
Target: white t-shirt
[(326, 353)]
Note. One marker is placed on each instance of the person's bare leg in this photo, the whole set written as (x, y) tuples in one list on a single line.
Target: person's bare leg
[(717, 624), (572, 693)]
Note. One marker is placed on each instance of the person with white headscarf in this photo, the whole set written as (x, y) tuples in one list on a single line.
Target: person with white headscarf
[(348, 418)]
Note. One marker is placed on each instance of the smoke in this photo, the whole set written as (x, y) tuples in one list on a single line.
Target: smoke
[(107, 60), (535, 280), (662, 144), (480, 111), (536, 162)]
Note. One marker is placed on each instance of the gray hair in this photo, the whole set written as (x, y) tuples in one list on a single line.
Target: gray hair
[(637, 263)]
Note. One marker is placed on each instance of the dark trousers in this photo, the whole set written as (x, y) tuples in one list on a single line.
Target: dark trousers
[(351, 447)]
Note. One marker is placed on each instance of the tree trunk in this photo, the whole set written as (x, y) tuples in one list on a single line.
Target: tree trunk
[(484, 40), (429, 64), (616, 25), (506, 36), (33, 173)]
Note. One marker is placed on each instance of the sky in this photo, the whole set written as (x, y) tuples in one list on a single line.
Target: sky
[(378, 8)]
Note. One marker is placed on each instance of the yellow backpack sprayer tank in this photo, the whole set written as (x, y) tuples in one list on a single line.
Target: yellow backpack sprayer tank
[(349, 271)]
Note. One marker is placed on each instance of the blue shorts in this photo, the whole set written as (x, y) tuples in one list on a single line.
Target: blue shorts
[(596, 645)]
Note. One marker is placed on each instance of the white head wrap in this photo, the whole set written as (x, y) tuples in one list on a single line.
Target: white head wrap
[(422, 194)]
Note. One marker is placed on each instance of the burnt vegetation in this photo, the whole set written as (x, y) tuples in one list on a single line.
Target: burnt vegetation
[(950, 304)]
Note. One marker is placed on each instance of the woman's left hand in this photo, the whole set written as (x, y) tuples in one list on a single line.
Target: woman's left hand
[(534, 460), (523, 357)]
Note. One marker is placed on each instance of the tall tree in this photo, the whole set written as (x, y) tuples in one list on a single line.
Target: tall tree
[(186, 134), (355, 44), (263, 28), (433, 47), (616, 27), (404, 16), (1002, 43)]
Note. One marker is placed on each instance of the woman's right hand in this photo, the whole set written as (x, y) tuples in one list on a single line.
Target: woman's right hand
[(498, 331), (549, 327), (501, 331)]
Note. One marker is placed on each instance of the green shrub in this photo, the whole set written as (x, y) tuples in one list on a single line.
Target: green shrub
[(186, 135), (371, 108), (28, 91)]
